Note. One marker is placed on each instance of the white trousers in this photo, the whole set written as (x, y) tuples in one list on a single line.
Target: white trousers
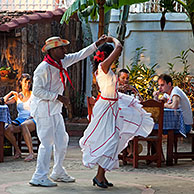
[(53, 136)]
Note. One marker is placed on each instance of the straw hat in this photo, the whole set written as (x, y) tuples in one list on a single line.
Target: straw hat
[(53, 42)]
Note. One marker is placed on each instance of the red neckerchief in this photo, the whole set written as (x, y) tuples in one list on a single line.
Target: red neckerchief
[(59, 66)]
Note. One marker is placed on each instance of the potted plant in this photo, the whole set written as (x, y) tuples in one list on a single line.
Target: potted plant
[(8, 74)]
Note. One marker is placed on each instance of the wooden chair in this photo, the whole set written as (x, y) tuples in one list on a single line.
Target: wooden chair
[(157, 110), (90, 103), (154, 140), (186, 154), (22, 144)]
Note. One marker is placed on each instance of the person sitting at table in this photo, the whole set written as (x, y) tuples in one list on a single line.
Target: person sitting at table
[(24, 122), (174, 98), (125, 87)]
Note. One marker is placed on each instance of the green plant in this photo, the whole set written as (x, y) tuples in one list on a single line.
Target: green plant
[(141, 76), (183, 79)]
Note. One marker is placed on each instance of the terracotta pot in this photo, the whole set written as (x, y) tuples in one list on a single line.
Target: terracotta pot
[(3, 73)]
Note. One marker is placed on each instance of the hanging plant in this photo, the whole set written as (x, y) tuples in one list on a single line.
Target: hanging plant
[(8, 73)]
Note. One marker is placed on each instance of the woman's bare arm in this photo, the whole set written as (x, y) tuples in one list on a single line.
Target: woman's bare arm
[(106, 64), (11, 97)]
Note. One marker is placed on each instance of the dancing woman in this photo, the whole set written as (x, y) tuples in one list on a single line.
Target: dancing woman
[(116, 118)]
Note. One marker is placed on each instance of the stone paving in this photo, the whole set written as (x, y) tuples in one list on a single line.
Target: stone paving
[(15, 175)]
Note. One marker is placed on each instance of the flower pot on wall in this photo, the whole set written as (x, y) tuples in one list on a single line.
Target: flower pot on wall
[(4, 73), (7, 76)]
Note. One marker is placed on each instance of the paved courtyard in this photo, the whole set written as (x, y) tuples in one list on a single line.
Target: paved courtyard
[(15, 175)]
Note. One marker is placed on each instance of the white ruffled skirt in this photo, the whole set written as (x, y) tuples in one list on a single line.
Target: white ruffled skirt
[(113, 124)]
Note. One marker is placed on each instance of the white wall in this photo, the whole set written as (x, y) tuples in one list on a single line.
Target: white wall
[(162, 46)]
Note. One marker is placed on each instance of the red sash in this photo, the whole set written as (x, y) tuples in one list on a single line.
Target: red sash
[(59, 66), (112, 99)]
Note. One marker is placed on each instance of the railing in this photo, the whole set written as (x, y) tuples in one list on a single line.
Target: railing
[(151, 6), (26, 5)]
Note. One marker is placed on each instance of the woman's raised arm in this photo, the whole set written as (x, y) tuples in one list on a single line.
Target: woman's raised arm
[(106, 64)]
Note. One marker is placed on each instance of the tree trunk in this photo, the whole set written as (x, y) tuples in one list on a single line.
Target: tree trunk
[(101, 17), (107, 21), (121, 30), (192, 21)]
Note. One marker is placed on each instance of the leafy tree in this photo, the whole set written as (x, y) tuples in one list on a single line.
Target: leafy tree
[(101, 9), (188, 5), (96, 8)]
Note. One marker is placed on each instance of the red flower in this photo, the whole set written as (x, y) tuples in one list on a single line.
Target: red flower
[(99, 56)]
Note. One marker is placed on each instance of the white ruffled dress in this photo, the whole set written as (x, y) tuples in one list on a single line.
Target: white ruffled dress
[(117, 118)]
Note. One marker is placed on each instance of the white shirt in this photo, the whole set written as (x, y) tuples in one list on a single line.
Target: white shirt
[(47, 84), (107, 83), (185, 105)]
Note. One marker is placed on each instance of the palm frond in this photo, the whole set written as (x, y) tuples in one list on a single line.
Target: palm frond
[(78, 5)]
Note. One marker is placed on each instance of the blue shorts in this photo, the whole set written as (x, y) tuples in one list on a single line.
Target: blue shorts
[(19, 121)]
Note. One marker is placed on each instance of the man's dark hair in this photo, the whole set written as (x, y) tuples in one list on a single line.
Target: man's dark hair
[(166, 78), (123, 71)]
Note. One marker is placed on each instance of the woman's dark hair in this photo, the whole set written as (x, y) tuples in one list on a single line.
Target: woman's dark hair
[(28, 77), (107, 50)]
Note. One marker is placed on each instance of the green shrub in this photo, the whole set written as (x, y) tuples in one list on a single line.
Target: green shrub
[(141, 76)]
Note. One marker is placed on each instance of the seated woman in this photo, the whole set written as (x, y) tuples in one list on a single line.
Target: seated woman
[(24, 122)]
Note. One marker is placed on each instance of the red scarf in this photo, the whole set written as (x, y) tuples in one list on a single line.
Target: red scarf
[(59, 66)]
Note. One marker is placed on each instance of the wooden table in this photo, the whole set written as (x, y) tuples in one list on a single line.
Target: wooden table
[(173, 123), (4, 118), (170, 142)]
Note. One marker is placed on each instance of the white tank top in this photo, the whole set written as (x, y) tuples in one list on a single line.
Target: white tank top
[(23, 108)]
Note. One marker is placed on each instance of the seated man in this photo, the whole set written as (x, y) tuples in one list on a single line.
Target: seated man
[(23, 123), (174, 98)]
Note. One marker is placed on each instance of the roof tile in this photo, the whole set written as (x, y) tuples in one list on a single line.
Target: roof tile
[(17, 22)]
